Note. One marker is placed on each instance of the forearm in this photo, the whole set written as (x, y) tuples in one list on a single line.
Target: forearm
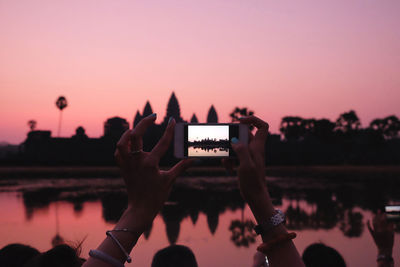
[(284, 254), (129, 220)]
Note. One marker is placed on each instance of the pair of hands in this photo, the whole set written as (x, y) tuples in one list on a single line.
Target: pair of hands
[(149, 187)]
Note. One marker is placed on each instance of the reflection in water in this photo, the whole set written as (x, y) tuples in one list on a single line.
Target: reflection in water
[(312, 204), (147, 232), (57, 239), (242, 231), (352, 224), (194, 151), (114, 204)]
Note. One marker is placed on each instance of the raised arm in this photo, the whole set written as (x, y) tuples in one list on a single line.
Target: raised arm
[(253, 187), (382, 233), (148, 188)]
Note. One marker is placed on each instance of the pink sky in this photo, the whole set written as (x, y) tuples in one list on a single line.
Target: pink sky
[(307, 58)]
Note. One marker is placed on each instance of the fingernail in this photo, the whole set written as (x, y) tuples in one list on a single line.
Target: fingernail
[(152, 115), (235, 140), (170, 119), (197, 162)]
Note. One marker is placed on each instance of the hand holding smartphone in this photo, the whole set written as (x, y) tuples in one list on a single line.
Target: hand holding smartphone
[(208, 140)]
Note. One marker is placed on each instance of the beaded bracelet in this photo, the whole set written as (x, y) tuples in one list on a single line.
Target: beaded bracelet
[(271, 244)]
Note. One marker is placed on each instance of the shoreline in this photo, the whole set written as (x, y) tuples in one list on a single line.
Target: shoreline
[(342, 171)]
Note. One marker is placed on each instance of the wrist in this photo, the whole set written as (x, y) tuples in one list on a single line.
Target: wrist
[(261, 206), (385, 251), (134, 220)]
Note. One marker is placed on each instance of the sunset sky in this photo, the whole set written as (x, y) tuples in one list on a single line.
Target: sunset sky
[(198, 133), (307, 58)]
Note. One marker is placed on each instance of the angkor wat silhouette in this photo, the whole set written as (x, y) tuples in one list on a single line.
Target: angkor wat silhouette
[(41, 147)]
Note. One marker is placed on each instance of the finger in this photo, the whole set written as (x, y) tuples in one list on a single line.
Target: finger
[(163, 144), (251, 136), (139, 130), (123, 144), (241, 151), (370, 228), (179, 168), (262, 127)]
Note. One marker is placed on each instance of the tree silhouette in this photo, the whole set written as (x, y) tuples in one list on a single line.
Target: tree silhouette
[(388, 127), (240, 112), (348, 122), (352, 224), (293, 128), (32, 125), (242, 231), (321, 129), (61, 104)]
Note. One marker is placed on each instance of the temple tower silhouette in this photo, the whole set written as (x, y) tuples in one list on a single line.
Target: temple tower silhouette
[(212, 116), (194, 119), (80, 134), (115, 127), (137, 118), (147, 110), (173, 110)]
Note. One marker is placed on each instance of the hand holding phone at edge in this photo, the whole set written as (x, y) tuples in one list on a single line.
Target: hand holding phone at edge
[(251, 170)]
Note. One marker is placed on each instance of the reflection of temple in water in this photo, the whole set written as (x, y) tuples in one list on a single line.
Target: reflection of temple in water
[(309, 207)]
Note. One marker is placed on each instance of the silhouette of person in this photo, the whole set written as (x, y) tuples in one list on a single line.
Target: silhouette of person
[(320, 255), (174, 256)]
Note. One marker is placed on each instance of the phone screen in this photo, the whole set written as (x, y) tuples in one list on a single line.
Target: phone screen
[(393, 213), (209, 140)]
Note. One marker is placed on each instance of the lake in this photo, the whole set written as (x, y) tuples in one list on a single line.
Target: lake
[(205, 213)]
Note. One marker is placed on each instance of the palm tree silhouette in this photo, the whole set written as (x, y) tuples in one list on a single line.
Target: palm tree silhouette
[(61, 103), (241, 112), (57, 239)]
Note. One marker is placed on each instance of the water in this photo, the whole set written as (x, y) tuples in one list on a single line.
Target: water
[(199, 214), (207, 151)]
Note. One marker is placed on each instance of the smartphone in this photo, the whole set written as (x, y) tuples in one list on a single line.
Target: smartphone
[(208, 140), (392, 213)]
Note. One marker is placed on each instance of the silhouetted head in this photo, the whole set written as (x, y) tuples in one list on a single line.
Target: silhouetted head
[(16, 255), (59, 256), (174, 256), (319, 255)]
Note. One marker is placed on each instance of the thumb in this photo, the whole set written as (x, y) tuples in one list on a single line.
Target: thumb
[(371, 231), (241, 150), (179, 168)]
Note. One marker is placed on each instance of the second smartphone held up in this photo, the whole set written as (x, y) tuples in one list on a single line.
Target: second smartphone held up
[(207, 140)]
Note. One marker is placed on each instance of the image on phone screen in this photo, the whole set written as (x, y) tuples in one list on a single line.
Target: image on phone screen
[(209, 140), (393, 213)]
